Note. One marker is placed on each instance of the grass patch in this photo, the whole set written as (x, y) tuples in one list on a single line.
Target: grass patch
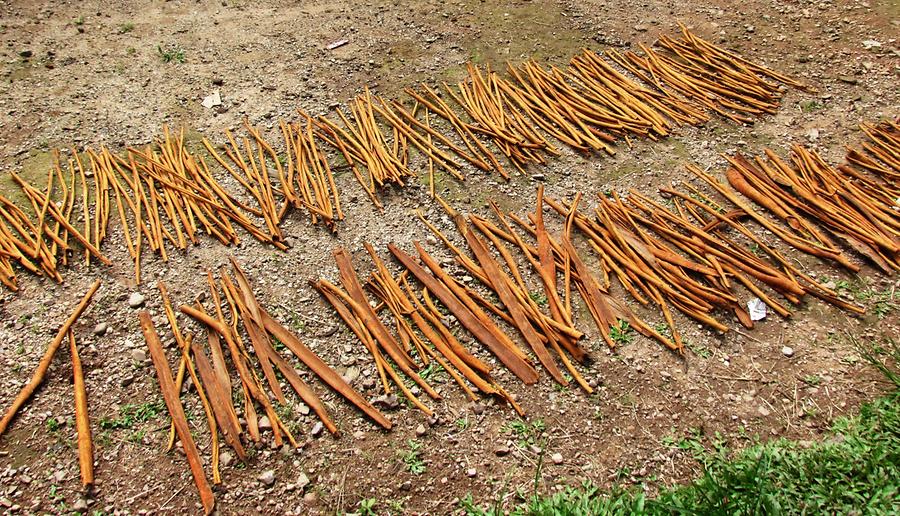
[(131, 414), (621, 333), (171, 54), (854, 470), (412, 458)]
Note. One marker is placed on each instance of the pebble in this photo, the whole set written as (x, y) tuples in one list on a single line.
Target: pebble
[(351, 374), (388, 401), (225, 458), (763, 411), (557, 458), (317, 429), (359, 434), (101, 328), (139, 355), (787, 351), (80, 505), (136, 300), (264, 423), (303, 409), (302, 481), (471, 472), (267, 477), (477, 409), (501, 451), (421, 430)]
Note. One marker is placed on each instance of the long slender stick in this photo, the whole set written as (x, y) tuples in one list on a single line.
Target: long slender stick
[(82, 421), (44, 364)]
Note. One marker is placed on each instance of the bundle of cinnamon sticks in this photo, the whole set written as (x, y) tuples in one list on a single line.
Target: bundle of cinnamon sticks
[(227, 348)]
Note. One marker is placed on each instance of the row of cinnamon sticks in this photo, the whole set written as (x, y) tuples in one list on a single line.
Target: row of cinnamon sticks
[(165, 195), (694, 252)]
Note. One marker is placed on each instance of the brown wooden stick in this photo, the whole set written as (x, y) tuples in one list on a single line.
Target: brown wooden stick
[(478, 323), (170, 396), (44, 364), (82, 421)]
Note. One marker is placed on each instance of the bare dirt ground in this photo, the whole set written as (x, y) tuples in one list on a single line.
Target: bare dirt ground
[(90, 73)]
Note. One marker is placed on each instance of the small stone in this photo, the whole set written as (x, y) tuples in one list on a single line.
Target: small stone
[(59, 476), (557, 458), (351, 374), (80, 505), (226, 458), (869, 44), (101, 329), (787, 351), (302, 481), (267, 477), (264, 423), (359, 434), (136, 300), (421, 430), (310, 497), (218, 81), (388, 401), (303, 409), (477, 409), (502, 451), (139, 355), (763, 411), (471, 472), (813, 134), (317, 429)]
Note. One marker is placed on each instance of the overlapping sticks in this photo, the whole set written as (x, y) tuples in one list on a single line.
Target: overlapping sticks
[(166, 195), (207, 364)]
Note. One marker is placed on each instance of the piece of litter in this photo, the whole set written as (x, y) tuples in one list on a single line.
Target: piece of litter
[(869, 44), (336, 44), (757, 309), (211, 101)]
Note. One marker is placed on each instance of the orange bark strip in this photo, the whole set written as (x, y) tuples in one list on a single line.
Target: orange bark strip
[(173, 403), (44, 364), (481, 327), (82, 422)]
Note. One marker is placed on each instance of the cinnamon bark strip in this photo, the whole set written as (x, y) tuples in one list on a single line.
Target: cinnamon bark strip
[(476, 322), (44, 364), (82, 421), (170, 396)]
